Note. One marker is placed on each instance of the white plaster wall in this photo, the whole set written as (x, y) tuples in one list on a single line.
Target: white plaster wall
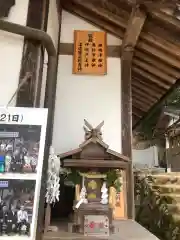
[(11, 47), (95, 98), (146, 157)]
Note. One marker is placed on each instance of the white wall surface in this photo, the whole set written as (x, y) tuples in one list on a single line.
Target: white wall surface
[(11, 47), (79, 97)]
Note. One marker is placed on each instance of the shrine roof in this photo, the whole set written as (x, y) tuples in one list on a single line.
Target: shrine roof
[(95, 141), (94, 152), (155, 64)]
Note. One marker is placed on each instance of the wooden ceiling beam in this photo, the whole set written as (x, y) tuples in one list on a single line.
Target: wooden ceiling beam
[(144, 102), (136, 111), (151, 78), (158, 64), (116, 25), (162, 44), (169, 21), (146, 87), (102, 12), (155, 27), (155, 71), (148, 84), (137, 89), (139, 104), (134, 27), (154, 40), (147, 93), (151, 4), (158, 53), (93, 19)]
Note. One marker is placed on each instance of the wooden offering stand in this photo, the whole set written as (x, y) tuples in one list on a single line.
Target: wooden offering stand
[(93, 159)]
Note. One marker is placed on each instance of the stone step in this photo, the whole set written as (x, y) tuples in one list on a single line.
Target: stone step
[(174, 208), (168, 174), (176, 218), (167, 188), (166, 178), (172, 198)]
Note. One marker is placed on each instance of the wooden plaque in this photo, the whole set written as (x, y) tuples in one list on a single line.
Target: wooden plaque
[(90, 53), (96, 225)]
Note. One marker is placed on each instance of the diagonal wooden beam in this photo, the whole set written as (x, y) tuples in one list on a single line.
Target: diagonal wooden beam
[(153, 61), (116, 24), (148, 85), (143, 88), (151, 77), (156, 72), (134, 27), (170, 22), (93, 18)]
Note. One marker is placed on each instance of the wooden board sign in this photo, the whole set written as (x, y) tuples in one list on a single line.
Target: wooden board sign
[(96, 226), (90, 53)]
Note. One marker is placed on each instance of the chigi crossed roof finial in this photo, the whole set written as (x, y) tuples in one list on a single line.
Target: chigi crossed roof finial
[(91, 132)]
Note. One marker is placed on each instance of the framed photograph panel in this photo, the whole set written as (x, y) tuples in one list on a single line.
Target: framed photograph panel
[(22, 142)]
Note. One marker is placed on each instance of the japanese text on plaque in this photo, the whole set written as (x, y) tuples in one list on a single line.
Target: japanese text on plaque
[(90, 53)]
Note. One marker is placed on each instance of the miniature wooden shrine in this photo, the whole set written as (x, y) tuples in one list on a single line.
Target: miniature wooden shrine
[(93, 160)]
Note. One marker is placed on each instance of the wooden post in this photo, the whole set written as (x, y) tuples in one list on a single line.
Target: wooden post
[(135, 24), (47, 217), (33, 55)]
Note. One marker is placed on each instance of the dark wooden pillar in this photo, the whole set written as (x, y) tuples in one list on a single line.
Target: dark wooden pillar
[(126, 111), (135, 24), (5, 7), (33, 55)]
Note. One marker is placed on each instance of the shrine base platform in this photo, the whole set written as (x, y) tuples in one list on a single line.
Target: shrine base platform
[(124, 230)]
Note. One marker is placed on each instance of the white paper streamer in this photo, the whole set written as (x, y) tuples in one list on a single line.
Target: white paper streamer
[(82, 195), (54, 169)]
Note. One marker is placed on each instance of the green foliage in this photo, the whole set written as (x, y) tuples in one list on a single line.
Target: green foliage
[(174, 98), (74, 176), (113, 180), (147, 126), (152, 209)]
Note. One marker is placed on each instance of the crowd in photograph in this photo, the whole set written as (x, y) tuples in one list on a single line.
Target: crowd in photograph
[(18, 156)]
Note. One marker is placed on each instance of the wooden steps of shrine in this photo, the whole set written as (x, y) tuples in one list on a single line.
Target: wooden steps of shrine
[(124, 230)]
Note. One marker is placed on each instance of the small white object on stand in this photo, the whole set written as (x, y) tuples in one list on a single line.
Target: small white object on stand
[(82, 196), (104, 196)]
